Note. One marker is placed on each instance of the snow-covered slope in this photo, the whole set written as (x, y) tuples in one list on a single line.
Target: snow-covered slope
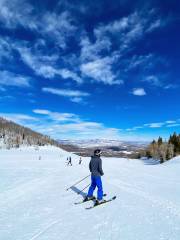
[(34, 203)]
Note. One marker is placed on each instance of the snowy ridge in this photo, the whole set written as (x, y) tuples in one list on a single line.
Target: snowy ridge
[(100, 143), (36, 206)]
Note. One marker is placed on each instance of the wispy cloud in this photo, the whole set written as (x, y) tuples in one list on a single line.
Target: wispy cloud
[(63, 125), (73, 95), (141, 61), (153, 80), (11, 14), (69, 125), (60, 117), (98, 57), (45, 65), (130, 28), (101, 71), (58, 27), (171, 86), (13, 79), (5, 49), (55, 26), (171, 121), (160, 81), (92, 51), (19, 118), (156, 125), (138, 92)]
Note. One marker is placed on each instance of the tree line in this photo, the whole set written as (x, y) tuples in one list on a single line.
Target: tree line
[(164, 150), (15, 135)]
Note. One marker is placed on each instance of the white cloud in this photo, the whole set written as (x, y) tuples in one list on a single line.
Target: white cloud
[(92, 51), (18, 118), (124, 31), (171, 86), (160, 81), (73, 95), (66, 92), (41, 111), (81, 130), (76, 99), (70, 125), (12, 79), (145, 61), (16, 13), (130, 28), (45, 65), (55, 116), (58, 27), (139, 92), (20, 13), (100, 71), (65, 73), (168, 123), (155, 125), (156, 24), (5, 49), (153, 80)]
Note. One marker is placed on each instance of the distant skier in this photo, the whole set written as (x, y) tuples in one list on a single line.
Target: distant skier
[(70, 161), (80, 161), (95, 167)]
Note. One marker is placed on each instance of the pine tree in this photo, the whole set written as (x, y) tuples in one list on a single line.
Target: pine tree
[(160, 141)]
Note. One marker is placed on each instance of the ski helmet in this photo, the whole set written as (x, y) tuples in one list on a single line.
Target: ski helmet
[(97, 152)]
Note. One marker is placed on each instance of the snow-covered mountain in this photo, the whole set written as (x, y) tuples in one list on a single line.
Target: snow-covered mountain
[(35, 205), (15, 135), (101, 142), (111, 148)]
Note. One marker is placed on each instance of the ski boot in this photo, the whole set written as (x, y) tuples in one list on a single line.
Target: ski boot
[(98, 202), (88, 198)]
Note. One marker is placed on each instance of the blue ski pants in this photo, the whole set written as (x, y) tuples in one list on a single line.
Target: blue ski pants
[(96, 182)]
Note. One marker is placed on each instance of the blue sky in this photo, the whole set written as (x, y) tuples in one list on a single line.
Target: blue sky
[(101, 69)]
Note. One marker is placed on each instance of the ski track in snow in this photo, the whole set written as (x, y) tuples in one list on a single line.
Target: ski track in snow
[(166, 205), (44, 230), (35, 205)]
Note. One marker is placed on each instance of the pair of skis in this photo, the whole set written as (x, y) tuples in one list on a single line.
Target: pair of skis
[(96, 204)]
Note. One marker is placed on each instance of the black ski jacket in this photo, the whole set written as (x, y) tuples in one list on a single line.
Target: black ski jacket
[(95, 166)]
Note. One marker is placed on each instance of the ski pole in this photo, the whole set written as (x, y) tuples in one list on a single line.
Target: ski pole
[(77, 182), (83, 189)]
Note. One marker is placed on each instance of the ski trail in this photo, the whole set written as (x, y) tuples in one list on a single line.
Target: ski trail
[(49, 226), (45, 229), (11, 196), (163, 203)]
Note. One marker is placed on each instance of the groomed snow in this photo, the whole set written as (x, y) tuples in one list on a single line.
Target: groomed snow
[(34, 203)]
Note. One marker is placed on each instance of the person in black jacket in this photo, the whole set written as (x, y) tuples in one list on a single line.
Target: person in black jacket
[(95, 167)]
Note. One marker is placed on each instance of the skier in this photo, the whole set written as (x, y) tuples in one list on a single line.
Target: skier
[(69, 162), (80, 161), (95, 167)]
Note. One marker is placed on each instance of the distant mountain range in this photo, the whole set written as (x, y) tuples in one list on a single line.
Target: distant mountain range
[(117, 148), (102, 142)]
